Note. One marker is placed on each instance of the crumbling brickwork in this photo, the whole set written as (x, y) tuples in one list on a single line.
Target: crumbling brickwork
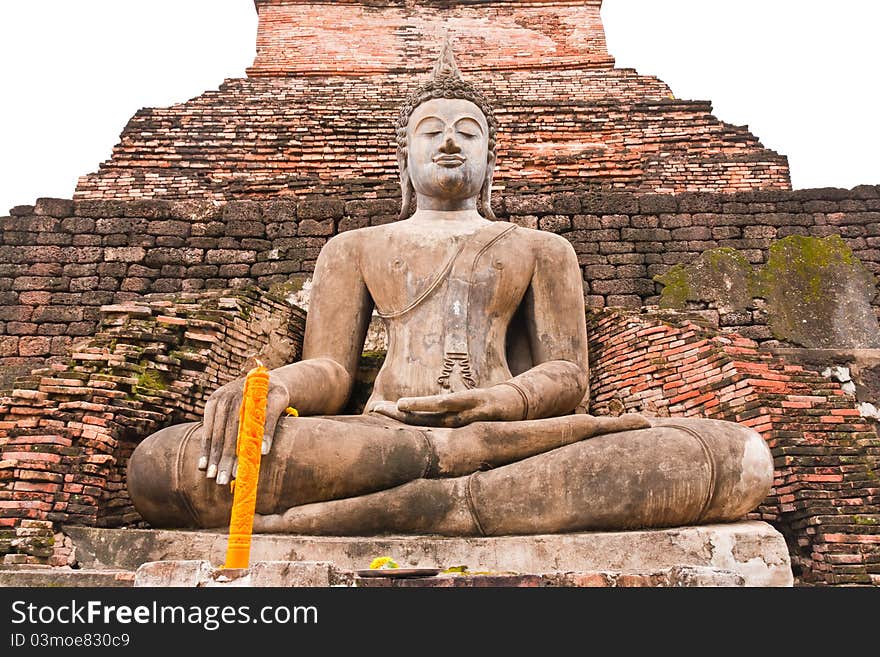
[(305, 36), (67, 431), (320, 103), (826, 492)]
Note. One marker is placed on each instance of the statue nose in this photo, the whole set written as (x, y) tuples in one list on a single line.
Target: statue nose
[(449, 146)]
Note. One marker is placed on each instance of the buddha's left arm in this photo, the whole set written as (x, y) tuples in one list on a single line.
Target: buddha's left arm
[(556, 328)]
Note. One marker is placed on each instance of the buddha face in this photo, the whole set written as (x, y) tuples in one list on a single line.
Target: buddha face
[(447, 149)]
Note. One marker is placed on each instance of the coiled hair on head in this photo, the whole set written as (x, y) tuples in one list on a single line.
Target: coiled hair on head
[(446, 82)]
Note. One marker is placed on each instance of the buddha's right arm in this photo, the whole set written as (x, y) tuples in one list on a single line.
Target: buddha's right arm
[(336, 326), (318, 386), (320, 383)]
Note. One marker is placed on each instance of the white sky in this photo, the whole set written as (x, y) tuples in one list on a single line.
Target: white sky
[(802, 74)]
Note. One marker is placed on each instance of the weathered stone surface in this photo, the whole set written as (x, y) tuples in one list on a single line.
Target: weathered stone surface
[(30, 576), (722, 276), (295, 573), (173, 573), (857, 369), (320, 210), (454, 581), (691, 576), (678, 576), (54, 207), (200, 573), (312, 227), (819, 294), (752, 550)]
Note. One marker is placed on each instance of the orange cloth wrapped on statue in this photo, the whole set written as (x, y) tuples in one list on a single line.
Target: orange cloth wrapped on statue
[(251, 424)]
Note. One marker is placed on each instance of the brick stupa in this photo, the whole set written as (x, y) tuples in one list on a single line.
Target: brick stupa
[(317, 110)]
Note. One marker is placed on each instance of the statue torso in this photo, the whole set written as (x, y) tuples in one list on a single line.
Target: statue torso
[(401, 262)]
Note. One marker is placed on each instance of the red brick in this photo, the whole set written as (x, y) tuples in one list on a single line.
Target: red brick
[(34, 346)]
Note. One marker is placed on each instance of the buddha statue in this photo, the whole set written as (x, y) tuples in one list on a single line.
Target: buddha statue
[(477, 423)]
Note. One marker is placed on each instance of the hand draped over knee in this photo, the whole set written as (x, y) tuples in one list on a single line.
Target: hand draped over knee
[(220, 429)]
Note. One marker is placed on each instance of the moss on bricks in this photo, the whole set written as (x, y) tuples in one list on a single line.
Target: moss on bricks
[(722, 276)]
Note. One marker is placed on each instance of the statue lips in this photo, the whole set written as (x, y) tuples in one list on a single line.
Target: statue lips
[(449, 161)]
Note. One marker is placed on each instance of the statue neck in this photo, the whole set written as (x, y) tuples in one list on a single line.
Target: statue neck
[(448, 205), (450, 218)]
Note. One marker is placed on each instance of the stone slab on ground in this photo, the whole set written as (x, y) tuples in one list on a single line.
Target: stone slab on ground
[(64, 577), (680, 576), (200, 573), (752, 549)]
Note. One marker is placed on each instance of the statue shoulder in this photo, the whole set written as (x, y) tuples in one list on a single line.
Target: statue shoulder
[(354, 240), (543, 242)]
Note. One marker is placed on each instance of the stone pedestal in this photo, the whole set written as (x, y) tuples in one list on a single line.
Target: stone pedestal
[(200, 573), (753, 551)]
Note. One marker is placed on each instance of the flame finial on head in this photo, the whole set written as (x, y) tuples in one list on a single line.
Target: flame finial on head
[(446, 66)]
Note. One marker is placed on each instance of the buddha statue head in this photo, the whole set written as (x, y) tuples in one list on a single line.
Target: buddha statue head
[(446, 143)]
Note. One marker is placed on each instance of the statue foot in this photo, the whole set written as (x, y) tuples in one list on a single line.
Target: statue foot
[(484, 445), (423, 506)]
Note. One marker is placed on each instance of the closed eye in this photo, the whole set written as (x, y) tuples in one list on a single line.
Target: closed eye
[(468, 127)]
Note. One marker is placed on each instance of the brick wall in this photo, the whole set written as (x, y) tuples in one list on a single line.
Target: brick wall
[(354, 38), (258, 137), (70, 427), (826, 490), (320, 103), (61, 260)]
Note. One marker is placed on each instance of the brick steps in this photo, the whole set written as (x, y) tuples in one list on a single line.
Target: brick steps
[(319, 106), (253, 138)]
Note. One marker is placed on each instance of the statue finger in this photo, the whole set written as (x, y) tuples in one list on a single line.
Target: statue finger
[(420, 404), (222, 418), (631, 421), (612, 424), (453, 402), (275, 404), (434, 420), (464, 418), (457, 402), (227, 458), (388, 409), (207, 428)]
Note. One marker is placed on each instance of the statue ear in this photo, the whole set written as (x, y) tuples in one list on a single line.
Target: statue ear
[(406, 186), (486, 190), (490, 166)]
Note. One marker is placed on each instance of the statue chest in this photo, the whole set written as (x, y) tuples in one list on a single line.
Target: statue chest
[(413, 282)]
